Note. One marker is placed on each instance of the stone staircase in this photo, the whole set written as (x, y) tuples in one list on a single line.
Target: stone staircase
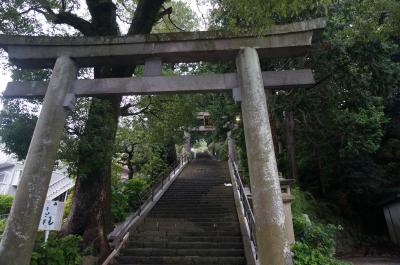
[(195, 222)]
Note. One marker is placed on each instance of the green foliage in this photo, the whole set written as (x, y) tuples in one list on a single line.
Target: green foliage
[(17, 122), (5, 204), (315, 241), (3, 223), (183, 18), (354, 126), (119, 202), (316, 235), (127, 196), (68, 205), (305, 254), (304, 203), (154, 167), (135, 190), (57, 251), (220, 149), (259, 14)]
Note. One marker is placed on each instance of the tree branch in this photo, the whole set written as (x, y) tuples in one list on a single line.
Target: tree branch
[(125, 109), (165, 12), (85, 27), (80, 24), (146, 14), (173, 23)]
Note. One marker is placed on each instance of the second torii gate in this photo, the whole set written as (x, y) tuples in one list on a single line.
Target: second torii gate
[(66, 55)]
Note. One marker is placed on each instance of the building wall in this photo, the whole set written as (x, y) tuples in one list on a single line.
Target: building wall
[(10, 176), (9, 179), (392, 216)]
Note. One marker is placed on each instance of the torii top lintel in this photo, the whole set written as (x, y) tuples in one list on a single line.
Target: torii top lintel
[(41, 52)]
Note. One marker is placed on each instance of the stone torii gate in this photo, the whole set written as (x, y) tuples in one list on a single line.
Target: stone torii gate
[(66, 55)]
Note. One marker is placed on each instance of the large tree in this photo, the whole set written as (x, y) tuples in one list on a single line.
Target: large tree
[(90, 214)]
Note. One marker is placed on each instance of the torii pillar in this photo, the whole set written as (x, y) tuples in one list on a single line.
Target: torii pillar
[(22, 225), (187, 144), (231, 146), (272, 244)]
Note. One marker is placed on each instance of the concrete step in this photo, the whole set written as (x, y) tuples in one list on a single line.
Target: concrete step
[(179, 234), (188, 237), (190, 229), (198, 210), (186, 245), (174, 222), (195, 222), (180, 260), (183, 252)]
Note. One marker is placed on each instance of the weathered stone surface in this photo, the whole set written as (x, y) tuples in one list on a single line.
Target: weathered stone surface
[(41, 52), (273, 247), (163, 84), (20, 233)]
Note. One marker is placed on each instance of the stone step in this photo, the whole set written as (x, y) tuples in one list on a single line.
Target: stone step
[(195, 222), (193, 209), (195, 198), (172, 221), (234, 237), (191, 203), (182, 252), (184, 245), (188, 228), (202, 201), (181, 260)]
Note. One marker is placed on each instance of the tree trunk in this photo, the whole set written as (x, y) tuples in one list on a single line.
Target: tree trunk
[(170, 155), (91, 206), (90, 214), (291, 148)]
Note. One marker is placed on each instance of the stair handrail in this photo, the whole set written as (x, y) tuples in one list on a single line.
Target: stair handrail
[(120, 234), (244, 201), (156, 185)]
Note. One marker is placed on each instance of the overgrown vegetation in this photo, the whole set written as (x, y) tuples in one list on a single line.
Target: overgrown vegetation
[(315, 238), (5, 207), (57, 250), (5, 204)]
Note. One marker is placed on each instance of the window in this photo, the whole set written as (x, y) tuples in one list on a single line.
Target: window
[(2, 177)]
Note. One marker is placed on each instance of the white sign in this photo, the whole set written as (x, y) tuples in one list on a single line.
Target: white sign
[(52, 216)]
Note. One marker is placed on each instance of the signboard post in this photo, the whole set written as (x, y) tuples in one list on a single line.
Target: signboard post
[(51, 217)]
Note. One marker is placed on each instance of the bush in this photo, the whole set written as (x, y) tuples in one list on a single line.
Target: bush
[(68, 205), (304, 203), (315, 240), (154, 167), (57, 251), (2, 225), (316, 235), (220, 149), (5, 204), (126, 197), (307, 255), (135, 189), (120, 206)]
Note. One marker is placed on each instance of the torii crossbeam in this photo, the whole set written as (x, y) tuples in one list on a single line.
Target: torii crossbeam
[(66, 55)]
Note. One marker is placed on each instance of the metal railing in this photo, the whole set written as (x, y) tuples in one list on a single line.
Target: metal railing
[(157, 185), (145, 199), (248, 211)]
